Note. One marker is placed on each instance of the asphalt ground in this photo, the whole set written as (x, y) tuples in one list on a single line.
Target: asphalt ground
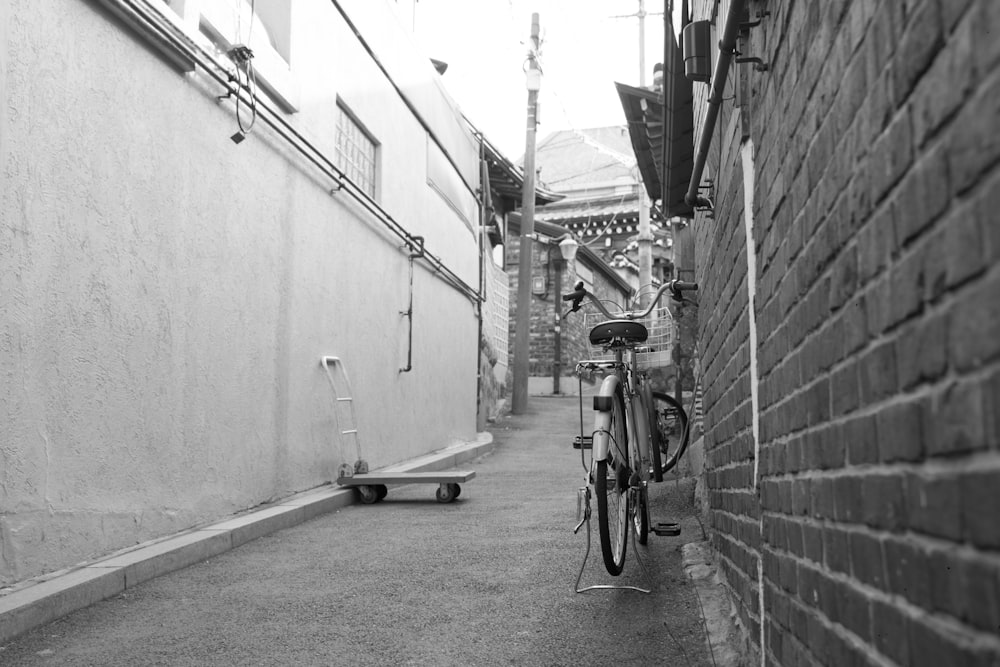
[(486, 580)]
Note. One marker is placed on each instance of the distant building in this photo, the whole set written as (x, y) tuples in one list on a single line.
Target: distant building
[(596, 172)]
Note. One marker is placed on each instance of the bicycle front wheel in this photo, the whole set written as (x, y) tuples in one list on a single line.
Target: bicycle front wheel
[(611, 488)]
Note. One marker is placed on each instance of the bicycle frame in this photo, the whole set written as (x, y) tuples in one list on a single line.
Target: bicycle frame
[(636, 418)]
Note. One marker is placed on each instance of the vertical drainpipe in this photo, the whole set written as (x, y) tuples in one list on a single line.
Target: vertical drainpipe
[(485, 208)]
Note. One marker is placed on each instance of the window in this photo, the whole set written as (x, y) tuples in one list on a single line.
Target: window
[(356, 151)]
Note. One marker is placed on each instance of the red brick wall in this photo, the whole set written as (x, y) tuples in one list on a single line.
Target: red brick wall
[(875, 510)]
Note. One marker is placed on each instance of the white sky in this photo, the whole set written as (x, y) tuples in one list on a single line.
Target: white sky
[(584, 51)]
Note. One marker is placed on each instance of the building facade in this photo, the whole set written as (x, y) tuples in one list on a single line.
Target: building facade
[(186, 230), (846, 252)]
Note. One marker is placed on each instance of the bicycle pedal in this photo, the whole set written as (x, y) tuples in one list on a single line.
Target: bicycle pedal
[(583, 442), (665, 529)]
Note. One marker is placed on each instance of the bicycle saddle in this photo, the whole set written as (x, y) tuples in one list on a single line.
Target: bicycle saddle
[(629, 331)]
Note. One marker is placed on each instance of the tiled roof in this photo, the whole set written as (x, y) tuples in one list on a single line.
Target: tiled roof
[(507, 179), (597, 209), (574, 159)]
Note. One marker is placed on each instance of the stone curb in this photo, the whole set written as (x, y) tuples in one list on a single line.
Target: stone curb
[(38, 604)]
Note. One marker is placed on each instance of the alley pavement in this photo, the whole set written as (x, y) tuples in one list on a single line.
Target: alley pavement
[(486, 580)]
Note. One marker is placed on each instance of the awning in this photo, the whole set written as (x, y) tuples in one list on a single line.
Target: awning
[(665, 158)]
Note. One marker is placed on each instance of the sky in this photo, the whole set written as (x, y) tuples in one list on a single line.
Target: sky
[(584, 51)]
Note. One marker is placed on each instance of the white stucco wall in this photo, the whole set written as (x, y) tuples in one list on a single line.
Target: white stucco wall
[(166, 294)]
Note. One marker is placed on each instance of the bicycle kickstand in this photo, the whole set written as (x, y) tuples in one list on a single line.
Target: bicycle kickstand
[(583, 502)]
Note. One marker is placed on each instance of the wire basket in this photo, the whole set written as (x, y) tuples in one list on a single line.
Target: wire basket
[(655, 352)]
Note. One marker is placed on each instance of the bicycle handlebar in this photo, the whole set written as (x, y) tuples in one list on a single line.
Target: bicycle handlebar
[(676, 287)]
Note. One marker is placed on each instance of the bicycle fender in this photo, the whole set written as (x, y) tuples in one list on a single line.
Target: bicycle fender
[(603, 402)]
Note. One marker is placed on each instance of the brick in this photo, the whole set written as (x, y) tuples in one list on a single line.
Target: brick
[(817, 402), (867, 562), (922, 351), (980, 507), (972, 142), (892, 156), (856, 612), (920, 42), (956, 423), (884, 501), (823, 505), (952, 11), (908, 571), (787, 574), (980, 581), (907, 283), (831, 447), (844, 390), (934, 505), (991, 391), (985, 19), (801, 496), (818, 637), (876, 243), (932, 646), (877, 373), (836, 550), (963, 248), (923, 194), (878, 305), (941, 90), (855, 329), (987, 204), (812, 542), (900, 431), (890, 629), (861, 440), (947, 594)]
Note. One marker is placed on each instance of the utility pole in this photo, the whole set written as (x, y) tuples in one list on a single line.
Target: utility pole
[(645, 231), (522, 327)]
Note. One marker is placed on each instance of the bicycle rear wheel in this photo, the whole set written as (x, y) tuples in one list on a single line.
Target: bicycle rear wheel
[(611, 489), (671, 431)]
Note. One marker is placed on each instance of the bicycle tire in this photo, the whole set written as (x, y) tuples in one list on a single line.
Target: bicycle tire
[(671, 425), (654, 438), (613, 502), (640, 517)]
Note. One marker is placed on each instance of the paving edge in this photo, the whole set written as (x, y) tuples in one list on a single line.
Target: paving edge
[(722, 634), (39, 604)]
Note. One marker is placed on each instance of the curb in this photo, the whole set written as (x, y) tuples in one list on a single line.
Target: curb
[(721, 631), (39, 604)]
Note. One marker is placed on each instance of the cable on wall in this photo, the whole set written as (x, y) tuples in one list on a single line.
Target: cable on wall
[(138, 14)]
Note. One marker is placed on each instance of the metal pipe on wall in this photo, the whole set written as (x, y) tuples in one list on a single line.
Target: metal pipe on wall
[(142, 18), (727, 46)]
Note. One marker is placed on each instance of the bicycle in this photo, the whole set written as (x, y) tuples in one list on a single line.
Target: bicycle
[(633, 427)]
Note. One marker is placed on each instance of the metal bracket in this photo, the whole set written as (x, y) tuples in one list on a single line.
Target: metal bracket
[(760, 65), (416, 247)]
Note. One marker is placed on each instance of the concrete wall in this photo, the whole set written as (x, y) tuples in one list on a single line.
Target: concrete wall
[(849, 329), (166, 294)]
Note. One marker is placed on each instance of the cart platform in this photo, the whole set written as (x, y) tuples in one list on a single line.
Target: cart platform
[(372, 485)]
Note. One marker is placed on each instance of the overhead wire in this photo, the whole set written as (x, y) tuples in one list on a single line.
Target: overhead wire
[(149, 20)]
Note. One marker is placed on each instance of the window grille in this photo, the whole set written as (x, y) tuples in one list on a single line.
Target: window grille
[(356, 152)]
